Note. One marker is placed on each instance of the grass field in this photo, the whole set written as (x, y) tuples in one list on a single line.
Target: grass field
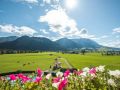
[(14, 62)]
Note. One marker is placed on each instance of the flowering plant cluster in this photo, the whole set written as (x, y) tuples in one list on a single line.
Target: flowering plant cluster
[(96, 78)]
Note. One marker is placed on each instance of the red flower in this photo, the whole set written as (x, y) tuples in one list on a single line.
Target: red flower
[(66, 73), (78, 72), (62, 84), (25, 79), (12, 77), (20, 75), (39, 72), (56, 80), (38, 79), (92, 71)]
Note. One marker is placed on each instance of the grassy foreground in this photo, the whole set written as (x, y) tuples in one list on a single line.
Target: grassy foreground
[(14, 62)]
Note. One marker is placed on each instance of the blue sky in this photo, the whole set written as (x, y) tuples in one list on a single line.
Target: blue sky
[(94, 19)]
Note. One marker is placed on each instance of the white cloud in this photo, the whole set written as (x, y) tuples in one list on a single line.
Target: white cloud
[(7, 28), (51, 1), (111, 43), (55, 18), (84, 31), (60, 23), (23, 30), (104, 36), (116, 30), (29, 1), (47, 1), (43, 31), (26, 31), (52, 4)]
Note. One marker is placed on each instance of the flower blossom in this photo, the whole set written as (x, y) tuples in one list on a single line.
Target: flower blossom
[(115, 73), (20, 75), (92, 71), (48, 76), (12, 77), (56, 80), (66, 73), (86, 69), (59, 74), (62, 84), (78, 72), (25, 79), (38, 79), (55, 84), (111, 82), (39, 72), (100, 69)]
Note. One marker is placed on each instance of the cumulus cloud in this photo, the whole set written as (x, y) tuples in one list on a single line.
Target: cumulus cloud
[(23, 30), (29, 1), (111, 43), (50, 1), (84, 31), (104, 36), (60, 23), (116, 30), (47, 1), (43, 31), (55, 18)]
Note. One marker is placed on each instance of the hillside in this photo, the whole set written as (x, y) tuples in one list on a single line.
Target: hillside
[(31, 43), (6, 39)]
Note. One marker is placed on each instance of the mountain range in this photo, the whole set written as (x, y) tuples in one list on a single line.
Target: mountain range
[(45, 44), (6, 39), (77, 43)]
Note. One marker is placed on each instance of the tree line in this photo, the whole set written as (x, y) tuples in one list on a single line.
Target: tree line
[(110, 53), (18, 51)]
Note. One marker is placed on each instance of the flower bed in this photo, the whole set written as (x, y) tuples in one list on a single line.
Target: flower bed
[(96, 78)]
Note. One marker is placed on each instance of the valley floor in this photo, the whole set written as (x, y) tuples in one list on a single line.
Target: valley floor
[(31, 61)]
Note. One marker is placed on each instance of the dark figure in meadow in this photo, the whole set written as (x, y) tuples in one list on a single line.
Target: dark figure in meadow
[(57, 64), (24, 65), (83, 52)]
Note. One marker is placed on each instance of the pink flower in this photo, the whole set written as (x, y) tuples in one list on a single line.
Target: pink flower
[(92, 71), (56, 80), (38, 79), (48, 76), (78, 72), (62, 84), (12, 77), (25, 79), (39, 72), (20, 75), (66, 73)]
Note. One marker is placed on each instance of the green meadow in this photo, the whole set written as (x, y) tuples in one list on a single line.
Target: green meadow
[(31, 61)]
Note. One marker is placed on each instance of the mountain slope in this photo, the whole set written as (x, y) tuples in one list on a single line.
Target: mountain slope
[(6, 39), (31, 43), (77, 43), (67, 43), (86, 43)]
